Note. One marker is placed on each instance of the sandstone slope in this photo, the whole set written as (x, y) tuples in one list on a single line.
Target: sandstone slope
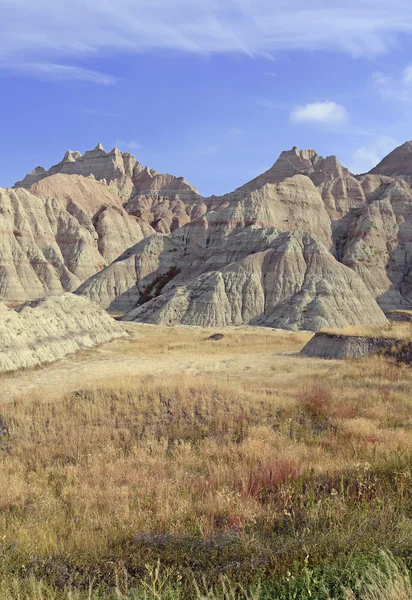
[(54, 239), (145, 236), (398, 163), (48, 329), (61, 226), (370, 216), (341, 347), (162, 200), (205, 257), (295, 283)]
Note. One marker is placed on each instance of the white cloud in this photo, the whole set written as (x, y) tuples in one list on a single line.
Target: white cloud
[(55, 72), (367, 157), (131, 146), (396, 87), (320, 112), (407, 74), (47, 30), (381, 80)]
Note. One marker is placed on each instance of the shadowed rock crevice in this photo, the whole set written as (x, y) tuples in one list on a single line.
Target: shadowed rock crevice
[(154, 289)]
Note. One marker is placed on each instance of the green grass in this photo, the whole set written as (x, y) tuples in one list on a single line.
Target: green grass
[(384, 579)]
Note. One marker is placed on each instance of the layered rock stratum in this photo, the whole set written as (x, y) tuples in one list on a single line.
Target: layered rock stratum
[(398, 163), (307, 244), (48, 329), (162, 200), (61, 226), (340, 347), (289, 281)]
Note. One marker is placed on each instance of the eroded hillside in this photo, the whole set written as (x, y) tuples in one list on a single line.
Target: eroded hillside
[(307, 244)]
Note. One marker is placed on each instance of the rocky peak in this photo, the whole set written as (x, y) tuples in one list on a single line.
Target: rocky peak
[(38, 170), (97, 152), (307, 162), (291, 162), (34, 176), (102, 165), (71, 156), (299, 162), (397, 164)]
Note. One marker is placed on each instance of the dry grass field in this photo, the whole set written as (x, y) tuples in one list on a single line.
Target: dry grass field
[(248, 354), (172, 466), (394, 330)]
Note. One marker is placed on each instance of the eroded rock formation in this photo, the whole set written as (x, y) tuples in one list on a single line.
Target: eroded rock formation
[(295, 283), (61, 226), (304, 245), (48, 329), (340, 347), (163, 201)]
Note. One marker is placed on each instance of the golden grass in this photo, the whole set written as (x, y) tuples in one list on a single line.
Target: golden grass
[(394, 330), (143, 456), (288, 445), (244, 354)]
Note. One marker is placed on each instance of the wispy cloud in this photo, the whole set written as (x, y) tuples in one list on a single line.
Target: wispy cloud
[(394, 86), (367, 157), (224, 139), (320, 112), (130, 146), (407, 75), (46, 29), (234, 133), (55, 72)]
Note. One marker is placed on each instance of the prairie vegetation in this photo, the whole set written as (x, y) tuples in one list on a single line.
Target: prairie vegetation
[(253, 474), (394, 330)]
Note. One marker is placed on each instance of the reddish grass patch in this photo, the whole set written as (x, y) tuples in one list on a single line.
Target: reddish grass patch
[(268, 477)]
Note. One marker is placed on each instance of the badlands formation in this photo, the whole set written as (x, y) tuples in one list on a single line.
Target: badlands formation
[(340, 347), (45, 330), (306, 245), (62, 226)]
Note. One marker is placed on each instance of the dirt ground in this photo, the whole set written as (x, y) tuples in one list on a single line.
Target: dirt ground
[(246, 354)]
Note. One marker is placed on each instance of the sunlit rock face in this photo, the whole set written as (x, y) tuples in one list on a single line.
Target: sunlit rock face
[(47, 329), (62, 226), (304, 241)]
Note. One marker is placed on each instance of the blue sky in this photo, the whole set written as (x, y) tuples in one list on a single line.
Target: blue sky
[(210, 89)]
